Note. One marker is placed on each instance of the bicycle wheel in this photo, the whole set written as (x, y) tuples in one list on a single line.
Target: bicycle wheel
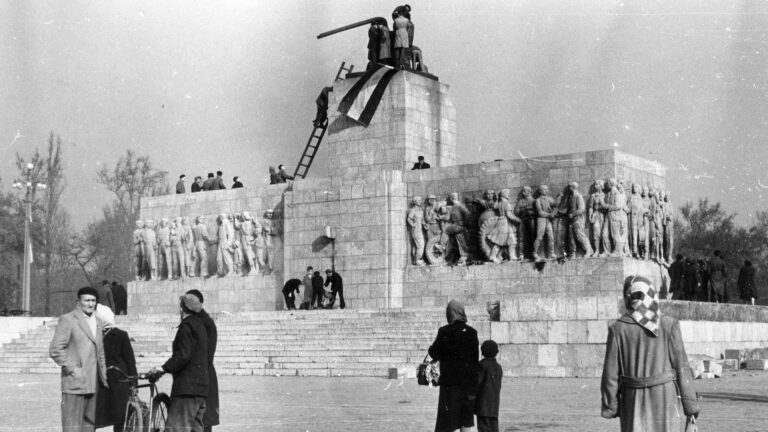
[(134, 421), (159, 412)]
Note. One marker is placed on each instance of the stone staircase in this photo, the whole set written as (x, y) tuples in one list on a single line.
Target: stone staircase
[(321, 343)]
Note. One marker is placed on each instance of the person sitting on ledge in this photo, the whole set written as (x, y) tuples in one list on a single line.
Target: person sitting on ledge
[(420, 164), (237, 184)]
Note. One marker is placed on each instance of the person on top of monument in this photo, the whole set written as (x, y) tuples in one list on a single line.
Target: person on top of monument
[(404, 30), (208, 183), (218, 182), (647, 381), (236, 183), (284, 176), (197, 185), (420, 164), (180, 184), (322, 106), (274, 177)]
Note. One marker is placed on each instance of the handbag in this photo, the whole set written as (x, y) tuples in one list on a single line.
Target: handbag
[(690, 425), (428, 372)]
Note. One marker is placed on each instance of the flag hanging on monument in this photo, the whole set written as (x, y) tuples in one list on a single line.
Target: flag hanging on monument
[(363, 98)]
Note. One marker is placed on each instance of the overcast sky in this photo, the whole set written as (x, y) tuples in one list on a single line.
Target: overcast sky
[(201, 86)]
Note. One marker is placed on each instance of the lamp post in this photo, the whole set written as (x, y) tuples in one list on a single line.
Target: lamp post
[(30, 187), (330, 234)]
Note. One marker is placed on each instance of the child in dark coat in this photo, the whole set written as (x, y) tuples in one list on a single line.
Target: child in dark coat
[(488, 389)]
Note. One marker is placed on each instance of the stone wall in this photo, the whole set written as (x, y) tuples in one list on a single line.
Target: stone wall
[(471, 180), (259, 292), (370, 235), (416, 116), (558, 336)]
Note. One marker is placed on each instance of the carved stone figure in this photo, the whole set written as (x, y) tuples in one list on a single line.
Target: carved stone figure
[(177, 251), (668, 224), (266, 252), (225, 243), (637, 211), (596, 216), (560, 224), (546, 211), (655, 225), (612, 223), (454, 227), (432, 222), (164, 264), (202, 240), (525, 210), (623, 218), (499, 231), (237, 252), (187, 243), (149, 240), (247, 234), (577, 238), (415, 221), (138, 250)]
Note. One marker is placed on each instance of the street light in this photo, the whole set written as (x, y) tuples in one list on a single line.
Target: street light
[(330, 234), (31, 187)]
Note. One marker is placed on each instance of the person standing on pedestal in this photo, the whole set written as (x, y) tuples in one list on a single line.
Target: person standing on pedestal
[(208, 183), (218, 182), (236, 184), (180, 189)]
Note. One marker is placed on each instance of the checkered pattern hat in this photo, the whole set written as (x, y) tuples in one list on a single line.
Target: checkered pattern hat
[(642, 301)]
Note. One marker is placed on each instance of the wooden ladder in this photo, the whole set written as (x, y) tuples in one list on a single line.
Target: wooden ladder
[(318, 132)]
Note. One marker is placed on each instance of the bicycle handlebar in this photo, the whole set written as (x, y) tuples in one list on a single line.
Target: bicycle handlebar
[(150, 376)]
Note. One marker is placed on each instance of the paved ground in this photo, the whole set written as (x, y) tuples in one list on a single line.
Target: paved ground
[(31, 403)]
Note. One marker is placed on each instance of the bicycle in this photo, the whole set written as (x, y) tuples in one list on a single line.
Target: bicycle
[(139, 417)]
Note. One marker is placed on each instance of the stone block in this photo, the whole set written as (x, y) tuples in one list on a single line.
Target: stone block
[(500, 332), (577, 332), (518, 332), (757, 364), (547, 355), (609, 307), (586, 308), (537, 331), (713, 367), (738, 355), (557, 332), (597, 331)]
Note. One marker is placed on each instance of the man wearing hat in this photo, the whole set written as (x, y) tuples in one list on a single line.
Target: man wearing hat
[(189, 366), (420, 164), (78, 347), (211, 416)]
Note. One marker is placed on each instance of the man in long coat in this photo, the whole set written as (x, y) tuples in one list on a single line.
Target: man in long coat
[(77, 346), (211, 417), (189, 367)]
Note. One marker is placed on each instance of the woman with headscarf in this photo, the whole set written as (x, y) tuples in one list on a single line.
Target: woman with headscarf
[(647, 381), (456, 347), (111, 402)]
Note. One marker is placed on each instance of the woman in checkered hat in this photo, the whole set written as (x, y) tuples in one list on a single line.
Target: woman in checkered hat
[(647, 381)]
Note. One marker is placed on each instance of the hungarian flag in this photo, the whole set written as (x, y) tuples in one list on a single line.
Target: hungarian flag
[(363, 98)]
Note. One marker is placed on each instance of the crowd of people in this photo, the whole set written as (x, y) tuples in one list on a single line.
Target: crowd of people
[(95, 356), (211, 183), (315, 294), (699, 279)]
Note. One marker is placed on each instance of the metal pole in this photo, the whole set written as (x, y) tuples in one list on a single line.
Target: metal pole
[(27, 264), (333, 255)]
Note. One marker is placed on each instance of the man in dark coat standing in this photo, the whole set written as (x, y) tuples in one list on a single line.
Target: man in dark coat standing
[(180, 189), (676, 278), (189, 367), (218, 182), (211, 416), (746, 282), (105, 295), (208, 183), (337, 286), (121, 299)]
